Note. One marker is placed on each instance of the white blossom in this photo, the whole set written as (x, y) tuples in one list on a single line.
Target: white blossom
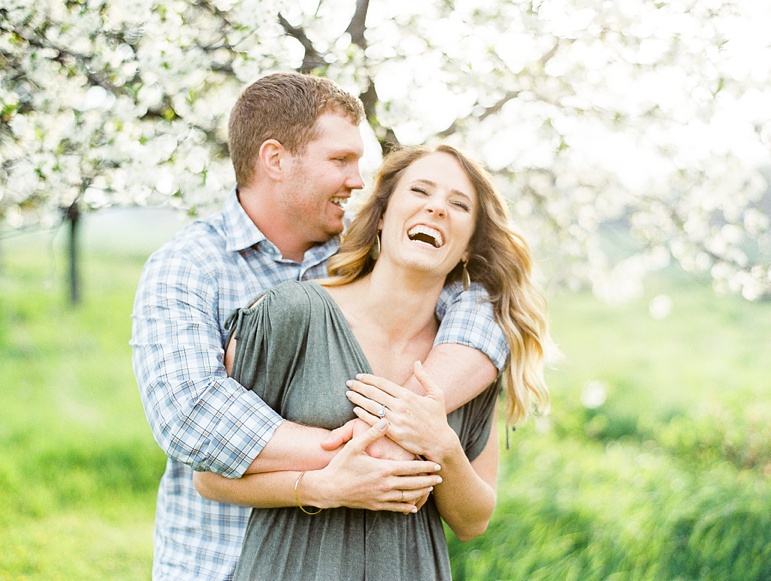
[(625, 133)]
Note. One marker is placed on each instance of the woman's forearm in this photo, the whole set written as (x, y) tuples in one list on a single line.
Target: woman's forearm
[(353, 478), (264, 490), (466, 497)]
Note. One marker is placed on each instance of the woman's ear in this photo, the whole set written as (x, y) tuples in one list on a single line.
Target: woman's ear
[(271, 159)]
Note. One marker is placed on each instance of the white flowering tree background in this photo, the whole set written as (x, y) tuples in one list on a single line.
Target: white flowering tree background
[(627, 134)]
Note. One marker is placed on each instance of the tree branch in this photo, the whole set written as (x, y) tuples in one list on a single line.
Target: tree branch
[(313, 59), (357, 26)]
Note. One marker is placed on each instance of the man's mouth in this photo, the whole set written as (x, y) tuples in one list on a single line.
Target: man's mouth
[(427, 235), (339, 202)]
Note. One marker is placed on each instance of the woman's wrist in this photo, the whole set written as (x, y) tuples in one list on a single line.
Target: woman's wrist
[(300, 503), (444, 448), (310, 491)]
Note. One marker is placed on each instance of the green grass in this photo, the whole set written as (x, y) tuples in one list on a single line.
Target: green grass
[(668, 479), (80, 467)]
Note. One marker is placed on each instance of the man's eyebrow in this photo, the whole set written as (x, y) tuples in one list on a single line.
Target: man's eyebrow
[(347, 153), (433, 185)]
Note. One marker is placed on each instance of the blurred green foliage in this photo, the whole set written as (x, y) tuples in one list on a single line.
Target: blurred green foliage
[(654, 463)]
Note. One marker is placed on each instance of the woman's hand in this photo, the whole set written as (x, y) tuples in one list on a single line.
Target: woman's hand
[(417, 423), (357, 480), (466, 497), (353, 479)]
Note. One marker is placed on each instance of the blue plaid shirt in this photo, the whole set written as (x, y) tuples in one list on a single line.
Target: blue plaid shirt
[(204, 420)]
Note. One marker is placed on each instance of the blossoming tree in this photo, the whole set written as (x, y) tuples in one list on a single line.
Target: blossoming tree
[(626, 133)]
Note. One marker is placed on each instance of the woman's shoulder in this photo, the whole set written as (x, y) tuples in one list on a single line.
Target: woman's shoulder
[(292, 297), (285, 308), (294, 290)]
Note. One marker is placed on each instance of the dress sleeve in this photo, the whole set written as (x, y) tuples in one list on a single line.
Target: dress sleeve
[(270, 341), (197, 414), (476, 419), (467, 319)]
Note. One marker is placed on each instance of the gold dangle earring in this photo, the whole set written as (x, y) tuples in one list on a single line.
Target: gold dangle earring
[(465, 277), (374, 251)]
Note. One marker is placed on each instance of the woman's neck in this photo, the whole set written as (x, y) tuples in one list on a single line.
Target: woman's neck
[(392, 316)]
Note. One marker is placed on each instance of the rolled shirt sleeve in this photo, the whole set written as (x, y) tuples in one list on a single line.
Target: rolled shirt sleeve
[(467, 319), (197, 414)]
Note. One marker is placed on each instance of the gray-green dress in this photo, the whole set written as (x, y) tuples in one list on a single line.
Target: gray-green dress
[(296, 351)]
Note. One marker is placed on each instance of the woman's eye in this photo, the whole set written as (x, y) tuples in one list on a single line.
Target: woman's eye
[(419, 190), (463, 206)]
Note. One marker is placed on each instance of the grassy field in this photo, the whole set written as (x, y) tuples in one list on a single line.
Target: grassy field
[(654, 464)]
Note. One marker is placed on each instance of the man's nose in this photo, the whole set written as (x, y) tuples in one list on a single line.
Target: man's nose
[(355, 181)]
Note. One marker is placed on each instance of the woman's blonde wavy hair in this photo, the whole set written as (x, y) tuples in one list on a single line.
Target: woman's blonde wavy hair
[(499, 259)]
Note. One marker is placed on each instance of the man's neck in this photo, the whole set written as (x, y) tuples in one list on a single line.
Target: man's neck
[(274, 227)]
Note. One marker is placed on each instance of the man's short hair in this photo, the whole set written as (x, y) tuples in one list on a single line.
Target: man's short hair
[(284, 107)]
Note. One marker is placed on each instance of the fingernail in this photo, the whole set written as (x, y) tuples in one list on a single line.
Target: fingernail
[(437, 467), (381, 425), (349, 383), (348, 393), (430, 488), (414, 510), (438, 479)]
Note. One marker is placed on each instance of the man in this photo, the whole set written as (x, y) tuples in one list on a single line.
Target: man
[(295, 145)]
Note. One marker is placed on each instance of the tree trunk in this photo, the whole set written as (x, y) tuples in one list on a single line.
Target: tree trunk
[(72, 216)]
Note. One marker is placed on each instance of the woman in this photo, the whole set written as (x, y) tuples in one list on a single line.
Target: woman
[(434, 217)]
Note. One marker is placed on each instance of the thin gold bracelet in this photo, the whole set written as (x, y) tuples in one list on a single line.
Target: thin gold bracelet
[(297, 496)]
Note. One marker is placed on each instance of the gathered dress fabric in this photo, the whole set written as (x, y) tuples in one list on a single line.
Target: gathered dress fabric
[(296, 351)]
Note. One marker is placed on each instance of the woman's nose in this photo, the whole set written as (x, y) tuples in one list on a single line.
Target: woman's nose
[(436, 207)]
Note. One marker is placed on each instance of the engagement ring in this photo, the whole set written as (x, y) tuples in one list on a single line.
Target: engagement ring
[(381, 412)]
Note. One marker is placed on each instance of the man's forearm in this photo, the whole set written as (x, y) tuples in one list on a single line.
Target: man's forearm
[(352, 478), (293, 447), (462, 373)]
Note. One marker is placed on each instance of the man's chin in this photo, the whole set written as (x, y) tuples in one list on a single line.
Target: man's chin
[(328, 234), (335, 229)]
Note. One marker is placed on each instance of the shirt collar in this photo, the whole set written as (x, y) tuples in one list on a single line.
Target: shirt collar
[(240, 231)]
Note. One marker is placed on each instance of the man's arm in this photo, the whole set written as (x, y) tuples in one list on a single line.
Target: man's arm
[(462, 371), (353, 479), (470, 348), (198, 415)]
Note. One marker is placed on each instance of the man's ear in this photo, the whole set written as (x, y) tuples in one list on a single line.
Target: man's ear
[(271, 159)]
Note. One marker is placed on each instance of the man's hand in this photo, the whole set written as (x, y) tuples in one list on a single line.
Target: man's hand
[(339, 436), (383, 448)]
